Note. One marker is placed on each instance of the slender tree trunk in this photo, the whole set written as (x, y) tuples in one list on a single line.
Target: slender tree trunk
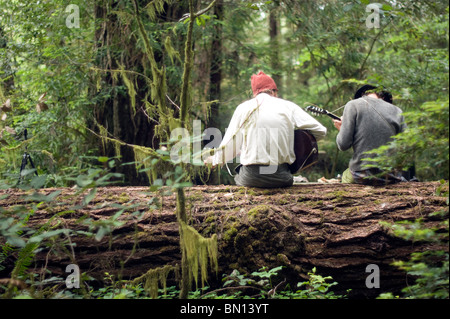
[(216, 76), (274, 33), (7, 84), (216, 66), (184, 111)]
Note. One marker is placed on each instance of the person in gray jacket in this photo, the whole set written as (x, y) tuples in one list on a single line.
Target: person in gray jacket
[(369, 121)]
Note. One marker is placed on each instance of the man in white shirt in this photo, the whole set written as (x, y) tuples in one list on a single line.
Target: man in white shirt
[(261, 133)]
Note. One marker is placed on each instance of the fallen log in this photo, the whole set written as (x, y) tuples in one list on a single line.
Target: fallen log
[(335, 228)]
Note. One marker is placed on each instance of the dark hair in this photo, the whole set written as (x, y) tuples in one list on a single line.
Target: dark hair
[(364, 90), (386, 96)]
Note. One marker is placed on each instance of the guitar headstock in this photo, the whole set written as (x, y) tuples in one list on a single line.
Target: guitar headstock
[(316, 110)]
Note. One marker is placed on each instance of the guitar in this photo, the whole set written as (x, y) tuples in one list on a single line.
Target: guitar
[(319, 111), (306, 151)]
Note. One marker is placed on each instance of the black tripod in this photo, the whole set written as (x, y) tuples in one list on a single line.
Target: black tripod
[(26, 157)]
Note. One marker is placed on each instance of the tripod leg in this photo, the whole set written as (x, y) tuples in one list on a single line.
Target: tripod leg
[(32, 165), (25, 158), (22, 165)]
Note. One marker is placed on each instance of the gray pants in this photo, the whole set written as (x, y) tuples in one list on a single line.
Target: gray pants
[(264, 176)]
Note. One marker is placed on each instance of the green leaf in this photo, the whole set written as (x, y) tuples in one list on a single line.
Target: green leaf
[(89, 197), (102, 231), (16, 241), (84, 180), (348, 7), (103, 159), (37, 197), (38, 181), (48, 234)]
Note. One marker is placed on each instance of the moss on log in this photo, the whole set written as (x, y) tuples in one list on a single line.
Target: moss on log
[(335, 228)]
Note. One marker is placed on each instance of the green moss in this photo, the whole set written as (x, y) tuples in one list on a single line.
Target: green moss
[(198, 251), (352, 210), (210, 219), (254, 212), (153, 276), (196, 197), (339, 196), (123, 198), (230, 234), (282, 201)]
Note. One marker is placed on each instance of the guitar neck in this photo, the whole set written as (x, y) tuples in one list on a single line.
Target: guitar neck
[(333, 116)]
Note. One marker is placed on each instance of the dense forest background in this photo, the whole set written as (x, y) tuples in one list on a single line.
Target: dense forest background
[(113, 74)]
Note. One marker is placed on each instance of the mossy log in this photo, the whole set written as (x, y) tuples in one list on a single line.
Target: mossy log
[(335, 228)]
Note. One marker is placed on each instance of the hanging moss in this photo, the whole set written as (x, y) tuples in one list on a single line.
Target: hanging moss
[(2, 163), (155, 7), (130, 86), (171, 51), (155, 277), (198, 250), (143, 157), (158, 85), (103, 135)]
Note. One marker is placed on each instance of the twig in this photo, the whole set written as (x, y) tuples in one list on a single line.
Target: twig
[(199, 13), (148, 116), (167, 95), (228, 288), (273, 291)]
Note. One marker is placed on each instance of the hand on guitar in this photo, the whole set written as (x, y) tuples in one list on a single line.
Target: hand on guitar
[(338, 123)]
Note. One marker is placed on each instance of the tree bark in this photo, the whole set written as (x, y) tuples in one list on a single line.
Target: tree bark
[(215, 74), (274, 34), (7, 80), (335, 228)]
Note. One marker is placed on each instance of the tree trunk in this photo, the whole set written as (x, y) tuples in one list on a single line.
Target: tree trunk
[(117, 108), (216, 66), (335, 228), (7, 79), (274, 34)]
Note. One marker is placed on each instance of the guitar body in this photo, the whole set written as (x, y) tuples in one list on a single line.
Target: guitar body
[(306, 151)]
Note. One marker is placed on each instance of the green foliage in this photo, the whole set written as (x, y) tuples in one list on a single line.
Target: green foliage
[(24, 241), (41, 55), (424, 142), (430, 269), (260, 285), (317, 287)]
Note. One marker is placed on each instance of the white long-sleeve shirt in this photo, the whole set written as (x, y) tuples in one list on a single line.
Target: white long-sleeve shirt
[(261, 131)]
